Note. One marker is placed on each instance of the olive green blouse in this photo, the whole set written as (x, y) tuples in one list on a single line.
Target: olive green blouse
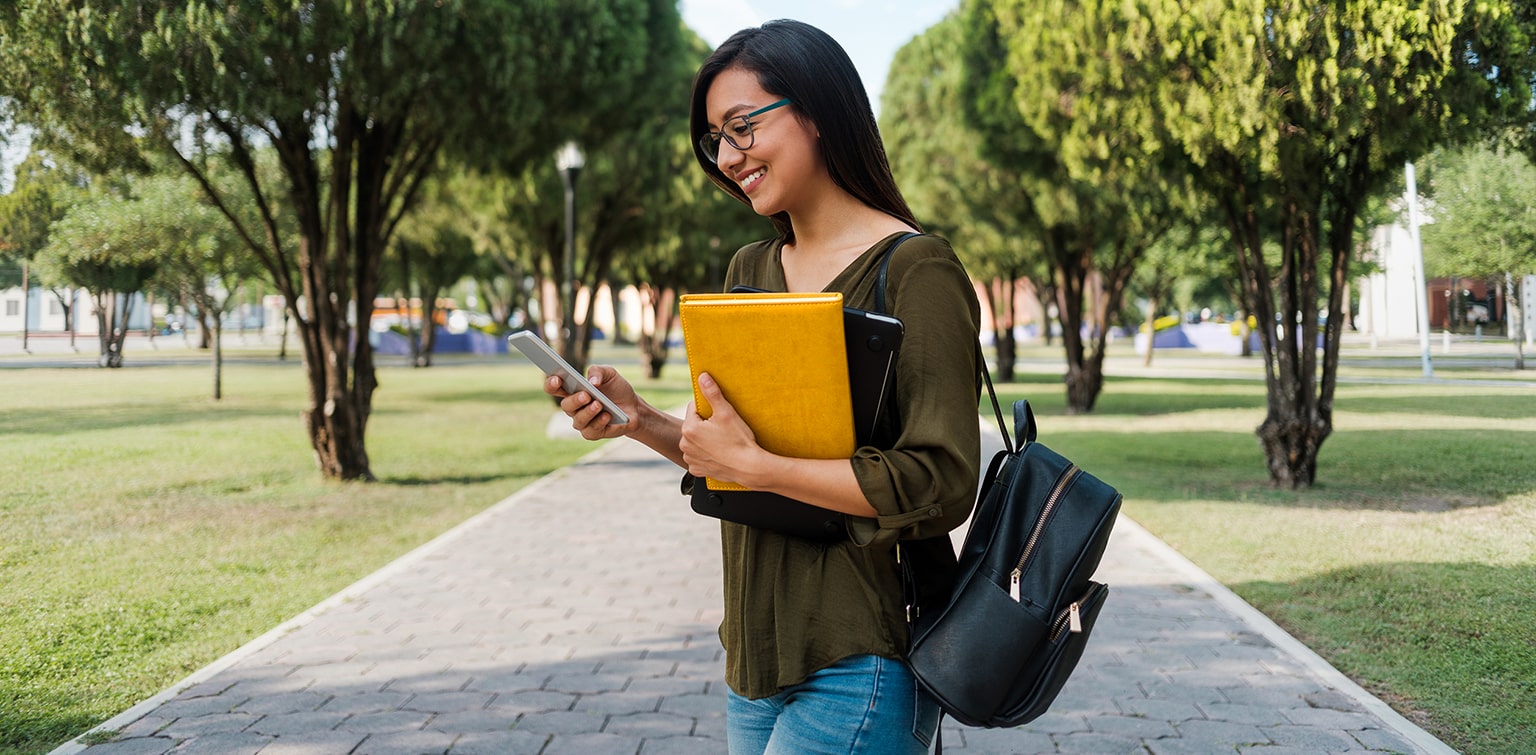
[(793, 606)]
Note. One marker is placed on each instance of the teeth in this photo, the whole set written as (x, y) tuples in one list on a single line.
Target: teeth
[(752, 177)]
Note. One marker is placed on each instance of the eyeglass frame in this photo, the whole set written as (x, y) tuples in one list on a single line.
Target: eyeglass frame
[(714, 138)]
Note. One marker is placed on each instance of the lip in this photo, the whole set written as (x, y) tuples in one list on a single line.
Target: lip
[(746, 181)]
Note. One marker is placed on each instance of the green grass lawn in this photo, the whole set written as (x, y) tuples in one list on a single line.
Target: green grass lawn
[(149, 530)]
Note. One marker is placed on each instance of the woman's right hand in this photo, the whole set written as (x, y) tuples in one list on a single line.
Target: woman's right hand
[(588, 416)]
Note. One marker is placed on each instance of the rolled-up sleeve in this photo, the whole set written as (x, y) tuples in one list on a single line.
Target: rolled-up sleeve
[(925, 485)]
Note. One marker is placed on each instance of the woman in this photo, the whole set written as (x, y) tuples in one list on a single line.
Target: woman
[(815, 633)]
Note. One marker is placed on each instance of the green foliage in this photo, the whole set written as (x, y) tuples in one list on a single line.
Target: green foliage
[(1483, 202), (41, 194), (104, 244)]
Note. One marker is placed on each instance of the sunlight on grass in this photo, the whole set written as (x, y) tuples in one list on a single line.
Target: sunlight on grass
[(150, 529)]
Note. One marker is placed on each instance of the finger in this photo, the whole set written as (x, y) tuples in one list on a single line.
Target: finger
[(554, 386), (713, 395)]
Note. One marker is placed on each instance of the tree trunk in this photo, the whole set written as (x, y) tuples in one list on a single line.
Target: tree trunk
[(1002, 299), (653, 342), (428, 325), (26, 308), (1291, 444), (1146, 360), (218, 359)]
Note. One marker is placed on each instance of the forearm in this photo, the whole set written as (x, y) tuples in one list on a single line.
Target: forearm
[(660, 432), (828, 483)]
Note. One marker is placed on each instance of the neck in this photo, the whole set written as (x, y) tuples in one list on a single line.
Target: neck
[(838, 220)]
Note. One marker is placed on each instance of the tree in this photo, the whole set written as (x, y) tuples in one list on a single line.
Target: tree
[(623, 188), (1484, 206), (105, 246), (357, 99), (197, 252), (937, 158), (1065, 113), (40, 194), (433, 252), (1291, 119)]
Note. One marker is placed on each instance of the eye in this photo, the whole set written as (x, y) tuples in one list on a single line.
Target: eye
[(738, 128)]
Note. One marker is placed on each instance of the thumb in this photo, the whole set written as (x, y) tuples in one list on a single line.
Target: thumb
[(710, 390)]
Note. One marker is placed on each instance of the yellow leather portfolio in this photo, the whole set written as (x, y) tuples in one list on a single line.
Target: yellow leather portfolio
[(782, 362)]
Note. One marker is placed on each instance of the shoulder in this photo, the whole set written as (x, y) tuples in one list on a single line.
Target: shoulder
[(925, 251), (927, 269)]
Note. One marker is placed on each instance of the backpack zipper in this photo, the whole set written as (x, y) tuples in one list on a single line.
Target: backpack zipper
[(1034, 537), (1072, 618)]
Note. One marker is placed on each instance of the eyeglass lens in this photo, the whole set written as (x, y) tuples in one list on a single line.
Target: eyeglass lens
[(737, 131)]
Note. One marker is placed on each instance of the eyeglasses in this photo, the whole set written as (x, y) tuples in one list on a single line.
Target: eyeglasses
[(737, 131)]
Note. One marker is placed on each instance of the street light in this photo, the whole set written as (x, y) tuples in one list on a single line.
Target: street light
[(570, 161)]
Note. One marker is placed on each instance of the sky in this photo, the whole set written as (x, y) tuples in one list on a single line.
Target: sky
[(870, 30)]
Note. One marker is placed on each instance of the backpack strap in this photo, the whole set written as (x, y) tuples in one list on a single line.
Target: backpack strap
[(885, 265)]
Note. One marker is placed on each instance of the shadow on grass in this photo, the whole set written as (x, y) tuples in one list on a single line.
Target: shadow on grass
[(1450, 639), (53, 421), (1388, 470)]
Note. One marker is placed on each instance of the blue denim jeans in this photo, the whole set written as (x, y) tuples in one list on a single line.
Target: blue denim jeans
[(860, 705)]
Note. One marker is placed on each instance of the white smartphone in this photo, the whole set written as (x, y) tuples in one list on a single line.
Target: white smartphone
[(540, 354)]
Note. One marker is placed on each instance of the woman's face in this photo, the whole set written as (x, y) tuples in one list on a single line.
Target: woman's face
[(784, 161)]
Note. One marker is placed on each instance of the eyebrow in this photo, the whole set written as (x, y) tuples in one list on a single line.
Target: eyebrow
[(732, 112)]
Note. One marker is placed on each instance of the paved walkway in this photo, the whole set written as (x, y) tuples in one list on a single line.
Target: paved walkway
[(579, 616)]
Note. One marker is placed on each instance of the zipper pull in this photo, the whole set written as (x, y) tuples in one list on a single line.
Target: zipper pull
[(1013, 585), (1074, 621)]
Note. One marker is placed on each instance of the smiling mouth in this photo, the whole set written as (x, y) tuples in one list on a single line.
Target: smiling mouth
[(752, 179)]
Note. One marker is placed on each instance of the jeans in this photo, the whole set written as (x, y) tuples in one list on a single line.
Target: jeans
[(860, 705)]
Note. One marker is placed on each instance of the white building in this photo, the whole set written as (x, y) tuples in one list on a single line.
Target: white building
[(45, 311)]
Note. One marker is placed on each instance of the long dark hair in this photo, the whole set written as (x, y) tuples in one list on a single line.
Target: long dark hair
[(796, 60)]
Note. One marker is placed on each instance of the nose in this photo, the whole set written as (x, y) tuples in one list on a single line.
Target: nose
[(728, 156)]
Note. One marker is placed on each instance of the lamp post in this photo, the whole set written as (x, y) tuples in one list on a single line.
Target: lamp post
[(570, 161)]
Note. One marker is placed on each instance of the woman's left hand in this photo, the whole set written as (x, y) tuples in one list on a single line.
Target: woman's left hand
[(722, 447)]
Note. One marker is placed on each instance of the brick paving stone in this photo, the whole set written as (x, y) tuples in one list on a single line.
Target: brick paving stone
[(1257, 715), (228, 743), (533, 701), (564, 723), (1099, 744), (290, 702), (314, 743), (366, 702), (135, 746), (647, 725), (1381, 739), (618, 703), (151, 725), (1331, 719), (449, 702), (499, 743), (1312, 738), (593, 744), (292, 723), (472, 721), (682, 746), (388, 721), (1002, 741), (1131, 726), (406, 743), (1222, 732)]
